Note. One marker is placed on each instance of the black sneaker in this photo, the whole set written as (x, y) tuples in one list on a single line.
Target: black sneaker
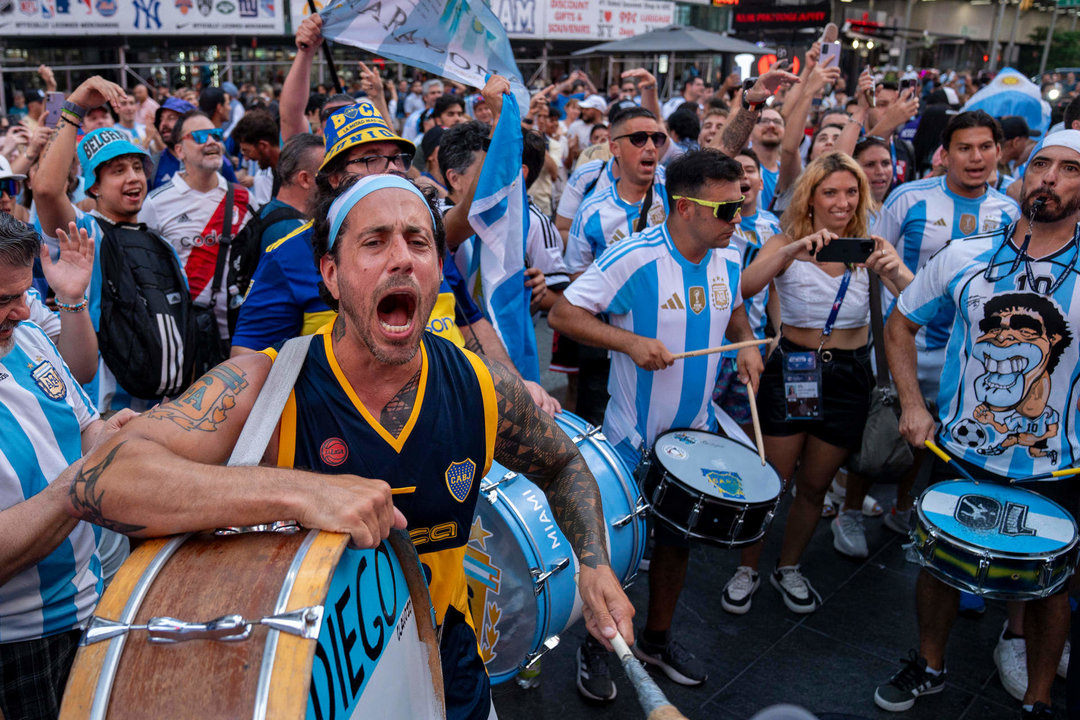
[(907, 684), (678, 663), (1040, 711), (593, 673)]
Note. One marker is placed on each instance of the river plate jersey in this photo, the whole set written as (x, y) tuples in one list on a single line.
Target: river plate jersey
[(1007, 400)]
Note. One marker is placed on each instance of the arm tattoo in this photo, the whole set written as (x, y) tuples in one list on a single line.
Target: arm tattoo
[(472, 343), (87, 499), (397, 411), (531, 443), (205, 404), (737, 132)]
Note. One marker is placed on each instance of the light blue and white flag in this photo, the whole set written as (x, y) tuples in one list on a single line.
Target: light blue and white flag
[(500, 215), (1011, 93), (458, 39)]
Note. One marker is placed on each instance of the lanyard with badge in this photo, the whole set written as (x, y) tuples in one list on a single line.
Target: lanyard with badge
[(802, 370)]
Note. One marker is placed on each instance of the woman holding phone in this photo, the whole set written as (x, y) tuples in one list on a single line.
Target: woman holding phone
[(814, 395)]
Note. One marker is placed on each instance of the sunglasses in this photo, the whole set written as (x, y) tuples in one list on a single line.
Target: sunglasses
[(725, 211), (201, 136), (638, 139), (378, 164), (10, 186)]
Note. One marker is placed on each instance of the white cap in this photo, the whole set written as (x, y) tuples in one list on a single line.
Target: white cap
[(595, 102), (5, 170), (1064, 138)]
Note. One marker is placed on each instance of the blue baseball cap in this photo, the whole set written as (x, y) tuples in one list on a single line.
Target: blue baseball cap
[(102, 145), (176, 105), (357, 124)]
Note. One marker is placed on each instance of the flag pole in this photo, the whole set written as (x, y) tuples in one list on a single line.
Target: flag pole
[(326, 54)]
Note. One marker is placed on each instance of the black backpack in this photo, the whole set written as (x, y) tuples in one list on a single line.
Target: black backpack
[(245, 253), (144, 333)]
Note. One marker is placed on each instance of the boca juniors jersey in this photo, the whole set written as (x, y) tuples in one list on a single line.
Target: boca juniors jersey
[(1007, 398)]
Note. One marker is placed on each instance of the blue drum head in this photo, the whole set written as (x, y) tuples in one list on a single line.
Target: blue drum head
[(714, 465), (999, 518)]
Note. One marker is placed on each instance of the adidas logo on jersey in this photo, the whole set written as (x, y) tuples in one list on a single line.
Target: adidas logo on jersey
[(673, 303), (940, 222), (183, 218), (4, 376)]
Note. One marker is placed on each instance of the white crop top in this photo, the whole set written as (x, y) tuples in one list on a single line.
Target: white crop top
[(807, 292)]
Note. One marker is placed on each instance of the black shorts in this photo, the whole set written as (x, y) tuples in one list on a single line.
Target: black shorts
[(846, 382)]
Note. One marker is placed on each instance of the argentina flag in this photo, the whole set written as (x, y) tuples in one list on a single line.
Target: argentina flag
[(1010, 93), (457, 39), (500, 215)]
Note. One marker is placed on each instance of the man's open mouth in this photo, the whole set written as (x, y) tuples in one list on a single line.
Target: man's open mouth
[(396, 312)]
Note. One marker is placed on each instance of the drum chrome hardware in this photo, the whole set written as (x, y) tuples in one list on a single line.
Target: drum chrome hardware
[(279, 526), (739, 523), (303, 622), (592, 432), (927, 549), (540, 578), (641, 510), (984, 569), (490, 487), (691, 521), (1046, 572), (550, 644)]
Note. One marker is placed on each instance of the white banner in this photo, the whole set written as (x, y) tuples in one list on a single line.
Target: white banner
[(129, 17)]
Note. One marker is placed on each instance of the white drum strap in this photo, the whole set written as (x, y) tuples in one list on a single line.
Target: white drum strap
[(264, 415)]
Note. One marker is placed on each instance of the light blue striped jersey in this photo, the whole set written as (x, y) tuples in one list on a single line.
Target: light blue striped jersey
[(650, 289), (1008, 392), (920, 217), (750, 234), (768, 189), (605, 218), (598, 173), (43, 412)]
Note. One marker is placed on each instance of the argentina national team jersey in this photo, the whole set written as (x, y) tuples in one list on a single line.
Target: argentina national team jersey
[(43, 412), (596, 173), (650, 289), (750, 234), (605, 219), (1007, 398)]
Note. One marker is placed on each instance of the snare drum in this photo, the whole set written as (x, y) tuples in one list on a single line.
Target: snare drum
[(997, 541), (261, 624), (708, 487), (522, 569)]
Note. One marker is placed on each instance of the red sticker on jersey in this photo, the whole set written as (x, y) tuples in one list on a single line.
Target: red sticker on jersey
[(334, 451)]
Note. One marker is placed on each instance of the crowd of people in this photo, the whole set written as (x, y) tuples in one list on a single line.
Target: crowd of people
[(158, 247)]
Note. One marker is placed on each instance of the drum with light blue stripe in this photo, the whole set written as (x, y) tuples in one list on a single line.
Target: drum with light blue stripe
[(997, 541)]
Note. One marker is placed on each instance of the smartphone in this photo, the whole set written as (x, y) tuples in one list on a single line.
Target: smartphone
[(904, 84), (871, 96), (846, 250), (830, 54), (53, 102)]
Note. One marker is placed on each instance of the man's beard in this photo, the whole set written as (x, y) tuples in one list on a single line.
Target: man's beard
[(366, 332), (1041, 211)]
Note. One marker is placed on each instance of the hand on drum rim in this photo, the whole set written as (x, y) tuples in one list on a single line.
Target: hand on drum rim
[(606, 609)]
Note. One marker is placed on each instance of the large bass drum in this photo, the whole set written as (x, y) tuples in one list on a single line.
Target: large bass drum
[(521, 568), (261, 624)]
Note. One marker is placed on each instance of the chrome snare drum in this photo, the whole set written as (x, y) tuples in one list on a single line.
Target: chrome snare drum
[(997, 541), (522, 570), (708, 487)]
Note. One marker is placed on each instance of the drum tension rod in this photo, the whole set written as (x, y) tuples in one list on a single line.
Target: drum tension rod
[(303, 622), (540, 578), (642, 508)]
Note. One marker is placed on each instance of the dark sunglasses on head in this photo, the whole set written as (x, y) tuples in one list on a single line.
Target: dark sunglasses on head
[(725, 211), (201, 136), (638, 139), (10, 186)]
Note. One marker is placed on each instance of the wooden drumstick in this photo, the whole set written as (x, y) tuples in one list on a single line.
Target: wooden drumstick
[(652, 699), (757, 423), (721, 348)]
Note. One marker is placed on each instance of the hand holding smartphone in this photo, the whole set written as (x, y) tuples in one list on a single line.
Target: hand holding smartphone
[(846, 250)]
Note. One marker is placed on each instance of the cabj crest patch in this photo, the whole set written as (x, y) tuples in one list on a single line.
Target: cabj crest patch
[(459, 478)]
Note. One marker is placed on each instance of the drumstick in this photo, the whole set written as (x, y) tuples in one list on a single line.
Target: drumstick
[(1047, 476), (652, 699), (757, 423), (932, 446), (721, 348)]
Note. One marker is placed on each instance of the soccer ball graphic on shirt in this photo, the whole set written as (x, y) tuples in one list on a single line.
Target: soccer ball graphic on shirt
[(970, 434)]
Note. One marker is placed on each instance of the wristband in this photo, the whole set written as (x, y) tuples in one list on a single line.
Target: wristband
[(65, 119), (78, 307), (77, 110)]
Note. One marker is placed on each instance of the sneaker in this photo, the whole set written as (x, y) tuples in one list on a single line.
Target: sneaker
[(899, 521), (738, 591), (849, 535), (678, 663), (1063, 663), (911, 681), (593, 674), (1010, 656), (799, 595), (971, 606), (1039, 711)]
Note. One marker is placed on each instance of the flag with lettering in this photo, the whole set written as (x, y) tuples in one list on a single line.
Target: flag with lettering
[(457, 39), (500, 214)]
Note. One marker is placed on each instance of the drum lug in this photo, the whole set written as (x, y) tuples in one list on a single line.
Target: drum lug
[(642, 508), (303, 622), (489, 487), (550, 644), (279, 526), (592, 432), (102, 629), (227, 628), (691, 521), (984, 570), (1046, 573), (927, 549), (540, 578)]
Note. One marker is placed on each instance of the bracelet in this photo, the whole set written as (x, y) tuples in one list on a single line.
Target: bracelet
[(72, 115), (64, 118), (646, 87), (79, 307), (77, 110)]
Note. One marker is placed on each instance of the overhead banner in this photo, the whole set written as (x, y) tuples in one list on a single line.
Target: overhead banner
[(755, 15), (129, 17)]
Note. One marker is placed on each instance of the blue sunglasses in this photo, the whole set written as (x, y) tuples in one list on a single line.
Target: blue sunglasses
[(201, 136), (10, 186)]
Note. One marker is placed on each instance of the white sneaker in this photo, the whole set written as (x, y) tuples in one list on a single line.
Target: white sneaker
[(1063, 663), (1010, 656), (799, 595), (739, 589), (849, 535)]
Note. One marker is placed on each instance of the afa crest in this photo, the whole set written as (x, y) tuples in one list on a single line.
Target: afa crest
[(50, 382), (459, 478), (720, 296), (728, 483)]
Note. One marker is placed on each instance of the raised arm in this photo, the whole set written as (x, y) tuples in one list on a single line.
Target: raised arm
[(646, 83), (738, 129), (851, 133), (371, 82), (795, 124), (897, 114), (297, 86)]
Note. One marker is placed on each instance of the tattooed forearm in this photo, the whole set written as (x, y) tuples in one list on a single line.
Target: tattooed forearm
[(737, 131), (530, 442), (397, 411), (472, 343), (86, 498), (205, 404)]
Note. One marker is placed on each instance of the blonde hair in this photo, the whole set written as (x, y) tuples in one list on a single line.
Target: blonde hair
[(797, 222)]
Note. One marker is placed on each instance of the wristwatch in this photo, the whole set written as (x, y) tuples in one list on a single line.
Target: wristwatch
[(747, 84), (74, 109)]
